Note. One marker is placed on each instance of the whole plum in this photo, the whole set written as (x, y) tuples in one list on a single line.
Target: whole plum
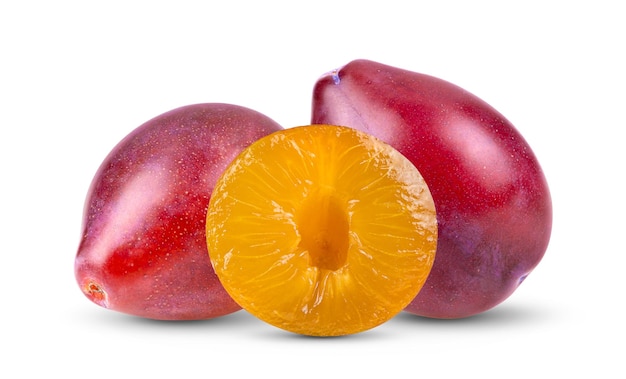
[(493, 204), (143, 247)]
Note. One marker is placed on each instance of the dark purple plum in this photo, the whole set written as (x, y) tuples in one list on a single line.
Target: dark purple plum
[(493, 204), (143, 246)]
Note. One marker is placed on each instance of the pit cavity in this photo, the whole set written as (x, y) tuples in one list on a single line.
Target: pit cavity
[(324, 230)]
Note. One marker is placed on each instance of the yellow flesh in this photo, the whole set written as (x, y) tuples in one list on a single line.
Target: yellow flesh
[(322, 230)]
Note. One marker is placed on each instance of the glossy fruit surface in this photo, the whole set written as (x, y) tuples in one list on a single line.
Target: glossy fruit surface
[(143, 247), (322, 230), (493, 204)]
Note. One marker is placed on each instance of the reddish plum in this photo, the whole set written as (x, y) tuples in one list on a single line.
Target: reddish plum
[(494, 209), (143, 247)]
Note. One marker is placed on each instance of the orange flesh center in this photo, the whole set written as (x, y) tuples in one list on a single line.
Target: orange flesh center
[(324, 230)]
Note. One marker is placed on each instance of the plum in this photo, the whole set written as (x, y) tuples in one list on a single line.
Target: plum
[(143, 247), (493, 203), (311, 229)]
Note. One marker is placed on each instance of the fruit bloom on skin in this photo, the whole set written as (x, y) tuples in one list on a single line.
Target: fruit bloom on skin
[(322, 230), (493, 204), (143, 247)]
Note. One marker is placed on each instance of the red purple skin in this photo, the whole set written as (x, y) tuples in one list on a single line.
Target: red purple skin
[(494, 209), (143, 248)]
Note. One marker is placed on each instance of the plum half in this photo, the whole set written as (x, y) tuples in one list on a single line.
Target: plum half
[(322, 230)]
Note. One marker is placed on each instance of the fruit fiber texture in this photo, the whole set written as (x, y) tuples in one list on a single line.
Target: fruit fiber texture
[(143, 247), (322, 230), (493, 203)]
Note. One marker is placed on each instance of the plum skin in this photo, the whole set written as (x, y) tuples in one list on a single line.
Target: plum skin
[(143, 246), (493, 203)]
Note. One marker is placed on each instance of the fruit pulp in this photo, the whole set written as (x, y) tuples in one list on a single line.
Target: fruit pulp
[(322, 230)]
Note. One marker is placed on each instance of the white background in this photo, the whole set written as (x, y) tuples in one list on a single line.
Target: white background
[(77, 76)]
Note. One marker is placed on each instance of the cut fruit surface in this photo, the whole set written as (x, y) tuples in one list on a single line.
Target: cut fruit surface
[(322, 230)]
